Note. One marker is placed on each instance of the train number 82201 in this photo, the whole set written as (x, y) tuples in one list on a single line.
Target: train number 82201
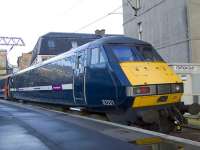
[(108, 102)]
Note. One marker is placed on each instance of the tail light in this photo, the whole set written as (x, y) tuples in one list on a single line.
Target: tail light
[(154, 89), (141, 90)]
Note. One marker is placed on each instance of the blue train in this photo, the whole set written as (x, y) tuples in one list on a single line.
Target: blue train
[(122, 77)]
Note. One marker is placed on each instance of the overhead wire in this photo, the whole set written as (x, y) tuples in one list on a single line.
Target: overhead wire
[(76, 4), (98, 19)]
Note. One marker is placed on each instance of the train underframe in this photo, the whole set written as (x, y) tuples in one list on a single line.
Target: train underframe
[(158, 118), (164, 119)]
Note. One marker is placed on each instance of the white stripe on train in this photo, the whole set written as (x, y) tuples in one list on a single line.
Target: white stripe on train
[(2, 90), (43, 88)]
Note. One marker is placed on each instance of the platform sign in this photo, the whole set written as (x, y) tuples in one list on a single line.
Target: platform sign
[(186, 68), (190, 75)]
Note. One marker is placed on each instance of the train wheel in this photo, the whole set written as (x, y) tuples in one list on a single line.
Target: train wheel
[(117, 118), (165, 125)]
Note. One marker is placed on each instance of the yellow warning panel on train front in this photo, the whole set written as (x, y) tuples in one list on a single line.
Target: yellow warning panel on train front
[(142, 73), (153, 100)]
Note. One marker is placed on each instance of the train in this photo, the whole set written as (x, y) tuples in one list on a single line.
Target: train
[(121, 77)]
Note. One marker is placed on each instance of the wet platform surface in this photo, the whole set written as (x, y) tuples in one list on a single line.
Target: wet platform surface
[(30, 128)]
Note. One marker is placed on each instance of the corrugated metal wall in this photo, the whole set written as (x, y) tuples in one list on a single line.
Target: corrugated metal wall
[(164, 24), (193, 10)]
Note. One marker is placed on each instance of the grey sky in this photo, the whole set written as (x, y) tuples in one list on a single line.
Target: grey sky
[(30, 19)]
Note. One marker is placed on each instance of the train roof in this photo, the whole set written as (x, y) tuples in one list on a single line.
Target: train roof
[(119, 40)]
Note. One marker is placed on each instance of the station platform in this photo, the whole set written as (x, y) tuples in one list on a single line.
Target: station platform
[(32, 128)]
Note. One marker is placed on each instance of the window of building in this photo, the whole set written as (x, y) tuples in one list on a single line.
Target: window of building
[(140, 30), (51, 44), (74, 44)]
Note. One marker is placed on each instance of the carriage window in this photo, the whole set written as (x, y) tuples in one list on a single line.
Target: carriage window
[(101, 59), (68, 62), (94, 56), (97, 56), (79, 61)]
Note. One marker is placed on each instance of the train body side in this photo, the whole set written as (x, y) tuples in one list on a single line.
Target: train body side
[(69, 80), (90, 76), (2, 82), (122, 77), (48, 83)]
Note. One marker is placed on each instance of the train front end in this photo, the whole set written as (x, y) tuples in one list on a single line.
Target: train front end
[(152, 83), (154, 89)]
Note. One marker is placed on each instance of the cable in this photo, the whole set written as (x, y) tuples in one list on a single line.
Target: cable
[(142, 13), (76, 4), (131, 5), (97, 20)]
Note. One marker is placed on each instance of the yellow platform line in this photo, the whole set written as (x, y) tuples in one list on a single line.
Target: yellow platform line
[(147, 141)]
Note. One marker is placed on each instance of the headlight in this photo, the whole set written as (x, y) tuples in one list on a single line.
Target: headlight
[(154, 89), (177, 88), (163, 88)]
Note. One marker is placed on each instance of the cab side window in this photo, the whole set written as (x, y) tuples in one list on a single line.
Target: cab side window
[(94, 56), (97, 56), (101, 57)]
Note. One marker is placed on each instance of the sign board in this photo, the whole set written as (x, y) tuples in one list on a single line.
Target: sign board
[(186, 68), (190, 75)]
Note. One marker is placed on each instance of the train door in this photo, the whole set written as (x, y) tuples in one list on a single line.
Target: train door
[(79, 78), (101, 84)]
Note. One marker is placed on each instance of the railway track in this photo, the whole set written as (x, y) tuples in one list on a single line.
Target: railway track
[(188, 132)]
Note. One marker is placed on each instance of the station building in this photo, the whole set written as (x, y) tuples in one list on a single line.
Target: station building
[(24, 60), (54, 43), (172, 26), (3, 62)]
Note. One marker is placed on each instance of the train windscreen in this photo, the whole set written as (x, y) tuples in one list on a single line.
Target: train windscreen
[(135, 53)]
